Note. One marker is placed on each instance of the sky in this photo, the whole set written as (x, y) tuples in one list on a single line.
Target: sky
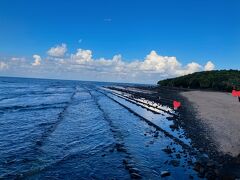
[(119, 40)]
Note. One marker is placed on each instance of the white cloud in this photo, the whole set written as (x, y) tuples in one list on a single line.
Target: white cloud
[(82, 56), (18, 59), (82, 65), (209, 66), (152, 68), (37, 60), (57, 51), (3, 65)]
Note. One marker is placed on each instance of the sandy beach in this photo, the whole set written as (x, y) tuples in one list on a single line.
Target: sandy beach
[(220, 112)]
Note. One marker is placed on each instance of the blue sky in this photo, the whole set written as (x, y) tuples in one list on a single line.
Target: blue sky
[(198, 31)]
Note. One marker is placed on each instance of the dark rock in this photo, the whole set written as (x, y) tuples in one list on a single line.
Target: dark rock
[(173, 126), (178, 156), (165, 173), (167, 150), (191, 177), (210, 164), (210, 175), (151, 142), (129, 166), (201, 170), (175, 163), (125, 161), (135, 176), (197, 167), (156, 134), (38, 142), (134, 170), (216, 171), (111, 150), (120, 148), (202, 159)]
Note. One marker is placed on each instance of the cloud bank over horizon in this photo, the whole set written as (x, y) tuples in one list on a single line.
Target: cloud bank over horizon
[(82, 66)]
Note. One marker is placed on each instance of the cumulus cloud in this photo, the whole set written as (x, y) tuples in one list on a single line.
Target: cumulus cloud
[(3, 65), (37, 60), (82, 56), (209, 66), (83, 66), (153, 67), (57, 51)]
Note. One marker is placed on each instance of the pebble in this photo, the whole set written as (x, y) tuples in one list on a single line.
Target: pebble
[(165, 173)]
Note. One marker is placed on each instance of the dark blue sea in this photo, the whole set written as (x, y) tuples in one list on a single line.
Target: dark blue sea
[(57, 129)]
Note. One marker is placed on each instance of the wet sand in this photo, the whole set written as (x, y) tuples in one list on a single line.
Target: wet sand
[(221, 113)]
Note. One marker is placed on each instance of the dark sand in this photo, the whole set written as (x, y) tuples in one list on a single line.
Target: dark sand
[(221, 113)]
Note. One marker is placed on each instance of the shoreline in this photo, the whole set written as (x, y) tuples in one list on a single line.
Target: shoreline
[(200, 133)]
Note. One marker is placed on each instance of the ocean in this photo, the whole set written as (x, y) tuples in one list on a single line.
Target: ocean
[(57, 129)]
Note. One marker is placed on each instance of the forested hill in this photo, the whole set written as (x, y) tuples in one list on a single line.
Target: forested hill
[(220, 80)]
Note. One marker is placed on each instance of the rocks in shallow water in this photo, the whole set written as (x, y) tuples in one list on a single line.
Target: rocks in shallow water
[(165, 173), (205, 168)]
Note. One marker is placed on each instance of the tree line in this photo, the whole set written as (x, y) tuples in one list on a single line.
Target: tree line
[(220, 80)]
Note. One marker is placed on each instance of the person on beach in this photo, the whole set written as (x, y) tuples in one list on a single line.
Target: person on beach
[(239, 98)]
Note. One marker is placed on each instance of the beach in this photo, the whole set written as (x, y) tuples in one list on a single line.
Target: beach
[(210, 119), (220, 112)]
